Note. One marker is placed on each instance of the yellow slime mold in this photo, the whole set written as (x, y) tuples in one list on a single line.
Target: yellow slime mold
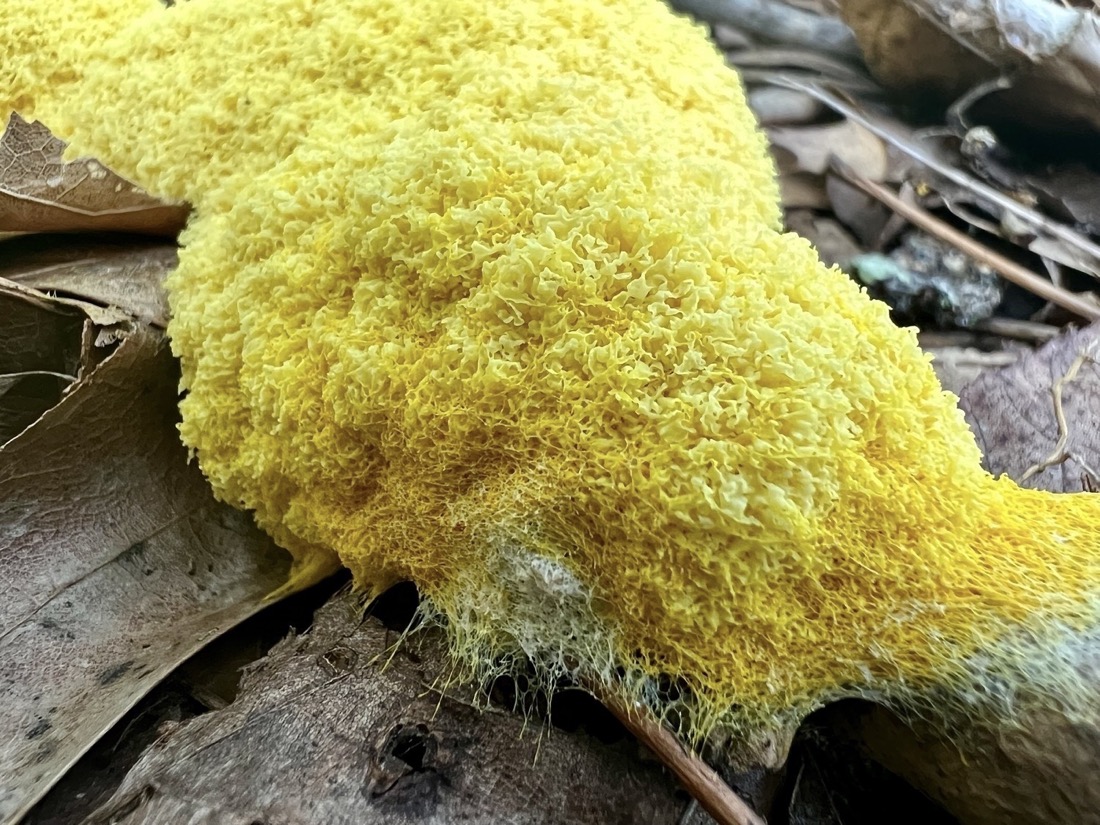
[(492, 295)]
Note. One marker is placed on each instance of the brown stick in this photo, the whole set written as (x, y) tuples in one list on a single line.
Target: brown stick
[(699, 779), (778, 22), (1009, 269)]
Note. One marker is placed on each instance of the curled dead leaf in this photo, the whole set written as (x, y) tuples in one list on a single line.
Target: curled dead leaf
[(41, 192), (122, 272), (40, 357), (117, 561)]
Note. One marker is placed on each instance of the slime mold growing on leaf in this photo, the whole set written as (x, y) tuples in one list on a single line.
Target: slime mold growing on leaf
[(495, 298)]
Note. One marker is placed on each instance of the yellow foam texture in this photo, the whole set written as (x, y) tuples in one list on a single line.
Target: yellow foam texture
[(492, 296), (46, 44)]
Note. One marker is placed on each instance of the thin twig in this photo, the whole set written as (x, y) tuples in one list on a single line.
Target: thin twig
[(1060, 454), (699, 779), (1086, 252), (1030, 331), (1010, 270)]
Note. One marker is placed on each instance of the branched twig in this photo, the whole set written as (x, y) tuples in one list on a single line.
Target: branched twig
[(1060, 454)]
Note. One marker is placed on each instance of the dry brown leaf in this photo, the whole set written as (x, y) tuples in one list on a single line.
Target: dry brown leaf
[(834, 244), (1073, 190), (1068, 192), (810, 148), (38, 335), (40, 357), (865, 217), (127, 274), (803, 156), (1013, 415), (802, 191), (40, 192), (336, 727), (47, 344), (117, 564)]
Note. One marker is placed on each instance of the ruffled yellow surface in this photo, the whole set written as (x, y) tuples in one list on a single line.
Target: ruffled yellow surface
[(45, 45), (491, 296)]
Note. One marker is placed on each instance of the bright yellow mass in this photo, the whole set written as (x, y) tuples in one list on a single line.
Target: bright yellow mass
[(492, 295)]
